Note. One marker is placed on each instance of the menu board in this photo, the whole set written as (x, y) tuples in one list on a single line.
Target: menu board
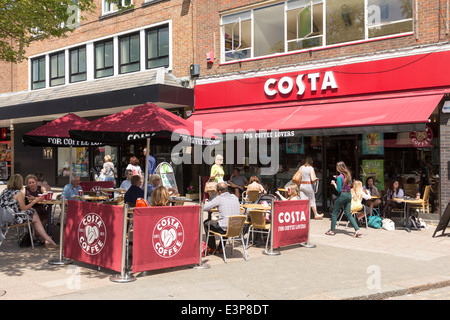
[(3, 170), (165, 171)]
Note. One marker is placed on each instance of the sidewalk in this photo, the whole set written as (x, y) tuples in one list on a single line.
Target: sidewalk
[(378, 265)]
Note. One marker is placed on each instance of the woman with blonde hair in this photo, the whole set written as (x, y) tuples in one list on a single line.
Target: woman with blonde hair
[(14, 199), (108, 169), (358, 195), (343, 186), (160, 197), (293, 193)]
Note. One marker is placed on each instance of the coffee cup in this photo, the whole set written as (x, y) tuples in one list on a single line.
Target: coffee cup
[(50, 195), (80, 192)]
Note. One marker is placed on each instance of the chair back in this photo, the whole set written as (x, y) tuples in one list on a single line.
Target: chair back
[(258, 218), (253, 195), (235, 225), (426, 193)]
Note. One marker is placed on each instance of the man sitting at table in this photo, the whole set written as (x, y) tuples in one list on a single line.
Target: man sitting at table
[(126, 184), (237, 182), (135, 191), (227, 205), (71, 189)]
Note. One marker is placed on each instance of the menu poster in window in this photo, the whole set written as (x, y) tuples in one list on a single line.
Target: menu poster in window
[(3, 170), (372, 143), (295, 145), (374, 168), (167, 175)]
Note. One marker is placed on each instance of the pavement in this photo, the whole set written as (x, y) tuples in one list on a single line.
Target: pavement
[(379, 265)]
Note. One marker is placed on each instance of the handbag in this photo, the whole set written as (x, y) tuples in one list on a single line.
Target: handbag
[(101, 177), (141, 203), (25, 240), (374, 221), (211, 186), (297, 178), (388, 224), (356, 205)]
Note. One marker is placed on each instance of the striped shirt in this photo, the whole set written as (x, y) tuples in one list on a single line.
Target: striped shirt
[(227, 205)]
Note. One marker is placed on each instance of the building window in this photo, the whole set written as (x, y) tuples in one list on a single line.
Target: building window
[(104, 59), (57, 69), (108, 7), (302, 24), (38, 73), (129, 53), (158, 47), (77, 64)]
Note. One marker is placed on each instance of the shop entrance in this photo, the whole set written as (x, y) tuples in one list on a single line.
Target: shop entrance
[(338, 148)]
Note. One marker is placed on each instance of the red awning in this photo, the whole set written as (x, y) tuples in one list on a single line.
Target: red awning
[(373, 114)]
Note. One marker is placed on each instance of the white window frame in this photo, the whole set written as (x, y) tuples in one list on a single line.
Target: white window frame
[(112, 7)]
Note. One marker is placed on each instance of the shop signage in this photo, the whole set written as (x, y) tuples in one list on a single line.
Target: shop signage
[(5, 134), (446, 107), (421, 139)]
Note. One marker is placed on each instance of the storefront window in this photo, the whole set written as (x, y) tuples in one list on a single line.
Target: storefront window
[(345, 21), (79, 162), (269, 30), (99, 157)]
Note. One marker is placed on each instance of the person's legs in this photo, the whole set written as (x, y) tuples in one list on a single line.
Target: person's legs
[(39, 228), (336, 208), (213, 226)]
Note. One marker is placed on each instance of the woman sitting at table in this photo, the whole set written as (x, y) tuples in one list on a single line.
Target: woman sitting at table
[(293, 193), (160, 197), (373, 191), (254, 184), (32, 191), (394, 191), (358, 195), (13, 198)]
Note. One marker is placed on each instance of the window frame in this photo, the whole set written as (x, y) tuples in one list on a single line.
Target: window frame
[(147, 59), (77, 73), (39, 81), (96, 68), (138, 62), (112, 8), (63, 76)]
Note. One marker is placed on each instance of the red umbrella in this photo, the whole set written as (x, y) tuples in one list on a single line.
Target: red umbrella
[(142, 123), (56, 133)]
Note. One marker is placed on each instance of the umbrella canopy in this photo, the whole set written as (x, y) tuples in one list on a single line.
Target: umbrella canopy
[(140, 123), (56, 133)]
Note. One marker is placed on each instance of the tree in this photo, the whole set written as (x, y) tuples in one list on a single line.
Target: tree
[(23, 21)]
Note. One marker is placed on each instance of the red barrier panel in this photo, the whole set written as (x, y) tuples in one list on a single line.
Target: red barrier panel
[(93, 234), (165, 237), (291, 222), (95, 185)]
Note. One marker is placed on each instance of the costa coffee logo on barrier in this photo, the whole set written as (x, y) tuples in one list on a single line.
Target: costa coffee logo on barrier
[(168, 237), (421, 138), (92, 234)]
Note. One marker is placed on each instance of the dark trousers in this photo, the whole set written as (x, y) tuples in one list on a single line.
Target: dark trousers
[(391, 204), (213, 225)]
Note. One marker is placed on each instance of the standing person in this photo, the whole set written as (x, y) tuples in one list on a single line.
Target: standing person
[(32, 191), (217, 173), (343, 186), (394, 191), (151, 164), (134, 166), (13, 198), (306, 185), (373, 191), (108, 169), (71, 189)]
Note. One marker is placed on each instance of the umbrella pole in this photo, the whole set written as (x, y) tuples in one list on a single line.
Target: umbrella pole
[(70, 164), (146, 169)]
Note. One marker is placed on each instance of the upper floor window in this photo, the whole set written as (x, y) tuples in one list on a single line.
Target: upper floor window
[(129, 53), (77, 64), (158, 47), (104, 59), (108, 7), (57, 69), (38, 73), (302, 24)]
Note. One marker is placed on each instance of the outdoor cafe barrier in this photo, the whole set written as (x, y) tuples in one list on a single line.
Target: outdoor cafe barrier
[(163, 237)]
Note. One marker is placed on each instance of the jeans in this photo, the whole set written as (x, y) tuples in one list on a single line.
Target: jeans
[(345, 200)]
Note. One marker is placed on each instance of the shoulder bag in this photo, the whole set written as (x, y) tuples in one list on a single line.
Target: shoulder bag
[(297, 178), (211, 186), (374, 221)]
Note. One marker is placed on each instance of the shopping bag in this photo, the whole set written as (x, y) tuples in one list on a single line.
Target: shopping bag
[(388, 224), (374, 221), (211, 186)]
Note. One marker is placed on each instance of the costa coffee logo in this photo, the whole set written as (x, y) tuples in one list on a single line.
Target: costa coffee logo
[(168, 237), (421, 138), (92, 234)]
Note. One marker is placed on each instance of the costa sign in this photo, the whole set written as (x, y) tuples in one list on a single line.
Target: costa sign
[(285, 85)]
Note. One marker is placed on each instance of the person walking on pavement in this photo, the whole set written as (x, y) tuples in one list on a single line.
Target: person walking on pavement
[(343, 186), (309, 179)]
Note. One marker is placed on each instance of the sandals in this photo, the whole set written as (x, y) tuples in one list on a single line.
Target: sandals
[(357, 234), (330, 233)]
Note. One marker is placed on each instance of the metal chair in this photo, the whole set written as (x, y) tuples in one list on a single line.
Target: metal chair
[(258, 224), (355, 215), (234, 232), (7, 217)]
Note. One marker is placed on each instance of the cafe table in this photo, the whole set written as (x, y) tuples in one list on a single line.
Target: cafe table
[(406, 218), (49, 205), (91, 198), (118, 190), (177, 199)]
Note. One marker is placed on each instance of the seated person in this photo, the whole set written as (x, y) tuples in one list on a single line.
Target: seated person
[(254, 184), (160, 197), (126, 184), (134, 192), (373, 191), (394, 191), (293, 193), (13, 198), (227, 205), (71, 189), (237, 182), (155, 182), (32, 191)]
